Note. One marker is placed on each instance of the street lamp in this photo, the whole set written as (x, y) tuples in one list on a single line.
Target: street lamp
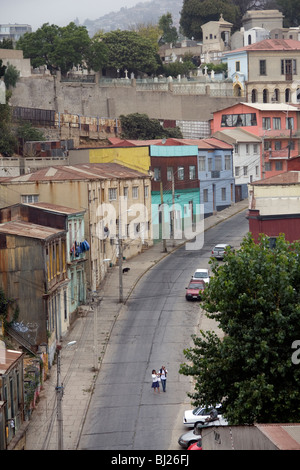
[(120, 249), (59, 394)]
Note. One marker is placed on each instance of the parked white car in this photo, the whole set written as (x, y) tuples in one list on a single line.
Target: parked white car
[(201, 273), (199, 415)]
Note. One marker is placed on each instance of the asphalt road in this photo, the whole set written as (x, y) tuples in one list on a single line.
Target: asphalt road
[(153, 330)]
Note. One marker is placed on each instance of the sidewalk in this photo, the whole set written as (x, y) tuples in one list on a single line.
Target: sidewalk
[(91, 333)]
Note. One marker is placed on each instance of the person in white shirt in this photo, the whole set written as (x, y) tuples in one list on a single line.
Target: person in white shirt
[(163, 376), (155, 382)]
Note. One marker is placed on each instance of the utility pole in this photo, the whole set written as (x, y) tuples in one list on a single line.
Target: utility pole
[(162, 218), (59, 395), (173, 209), (120, 266)]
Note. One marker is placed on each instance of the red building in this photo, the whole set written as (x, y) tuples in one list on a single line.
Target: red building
[(277, 126)]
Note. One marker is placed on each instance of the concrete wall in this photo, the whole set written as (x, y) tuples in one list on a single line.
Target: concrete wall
[(235, 438), (112, 100)]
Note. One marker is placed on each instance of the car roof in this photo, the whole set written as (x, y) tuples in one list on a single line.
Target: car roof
[(200, 270), (221, 245)]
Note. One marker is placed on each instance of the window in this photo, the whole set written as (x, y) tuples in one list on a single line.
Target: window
[(289, 123), (29, 198), (125, 192), (247, 149), (278, 166), (210, 164), (245, 170), (255, 149), (277, 145), (205, 195), (146, 191), (266, 123), (253, 96), (223, 191), (180, 173), (192, 172), (238, 120), (268, 166), (135, 192), (156, 174), (262, 67), (169, 173), (227, 162), (256, 170), (218, 163), (236, 148), (201, 163), (265, 96), (237, 66), (112, 194), (276, 123), (237, 171)]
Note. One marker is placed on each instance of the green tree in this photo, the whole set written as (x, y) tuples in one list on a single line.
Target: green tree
[(254, 297), (96, 56), (128, 50), (195, 13), (6, 44), (141, 127), (39, 46), (62, 48), (291, 12), (27, 133), (11, 76), (169, 34)]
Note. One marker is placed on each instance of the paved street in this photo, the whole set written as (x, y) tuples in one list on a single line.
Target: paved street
[(92, 334)]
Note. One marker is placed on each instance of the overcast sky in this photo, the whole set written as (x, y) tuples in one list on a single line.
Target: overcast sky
[(58, 12)]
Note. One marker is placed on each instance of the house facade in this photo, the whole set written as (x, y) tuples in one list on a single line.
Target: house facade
[(275, 124), (34, 274), (268, 71), (175, 185), (102, 190), (246, 158), (11, 394), (274, 206)]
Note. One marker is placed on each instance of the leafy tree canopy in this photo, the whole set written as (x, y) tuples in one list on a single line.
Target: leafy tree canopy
[(141, 127), (255, 298), (291, 12), (62, 48), (170, 34), (128, 50), (195, 13)]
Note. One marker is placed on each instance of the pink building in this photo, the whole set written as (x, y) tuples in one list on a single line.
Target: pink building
[(275, 123)]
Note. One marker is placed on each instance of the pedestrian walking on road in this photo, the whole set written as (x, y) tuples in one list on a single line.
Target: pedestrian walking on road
[(163, 376), (155, 381)]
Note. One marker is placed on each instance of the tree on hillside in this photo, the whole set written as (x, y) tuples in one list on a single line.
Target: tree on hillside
[(140, 127), (150, 32), (195, 13), (255, 298), (62, 48), (291, 12), (128, 50), (169, 34)]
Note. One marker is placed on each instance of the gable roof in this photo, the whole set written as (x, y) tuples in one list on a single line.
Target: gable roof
[(269, 45), (86, 171)]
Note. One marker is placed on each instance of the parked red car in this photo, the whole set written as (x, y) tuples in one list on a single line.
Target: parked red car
[(195, 289), (196, 445)]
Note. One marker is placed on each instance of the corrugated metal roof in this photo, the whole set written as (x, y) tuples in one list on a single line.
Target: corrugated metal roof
[(86, 171), (55, 208), (237, 135), (284, 436), (269, 45), (288, 177), (7, 358), (26, 229)]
